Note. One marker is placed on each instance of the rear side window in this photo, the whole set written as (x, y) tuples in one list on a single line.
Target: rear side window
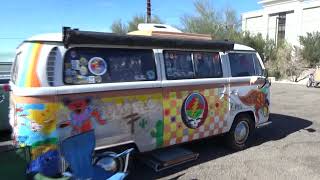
[(15, 67), (244, 64), (191, 65), (100, 65)]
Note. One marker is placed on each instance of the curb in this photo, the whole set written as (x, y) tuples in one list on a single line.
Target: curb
[(293, 83), (273, 80)]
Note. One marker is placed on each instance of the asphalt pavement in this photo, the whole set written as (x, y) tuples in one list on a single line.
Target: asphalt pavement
[(287, 149)]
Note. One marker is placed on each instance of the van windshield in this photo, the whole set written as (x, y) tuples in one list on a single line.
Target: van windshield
[(100, 65)]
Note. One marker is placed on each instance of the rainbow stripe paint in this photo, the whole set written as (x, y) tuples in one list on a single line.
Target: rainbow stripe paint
[(29, 77)]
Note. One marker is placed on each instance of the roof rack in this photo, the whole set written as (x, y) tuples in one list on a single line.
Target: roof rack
[(73, 37)]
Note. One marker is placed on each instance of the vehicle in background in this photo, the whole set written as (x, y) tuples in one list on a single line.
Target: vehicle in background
[(149, 90), (314, 78), (4, 101)]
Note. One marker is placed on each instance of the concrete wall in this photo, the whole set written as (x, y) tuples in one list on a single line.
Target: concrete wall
[(272, 27), (291, 30), (302, 16), (310, 20), (255, 25)]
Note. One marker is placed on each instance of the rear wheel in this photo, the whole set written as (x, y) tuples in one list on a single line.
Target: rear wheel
[(237, 137)]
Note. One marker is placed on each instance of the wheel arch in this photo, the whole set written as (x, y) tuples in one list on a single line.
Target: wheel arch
[(250, 114), (119, 147)]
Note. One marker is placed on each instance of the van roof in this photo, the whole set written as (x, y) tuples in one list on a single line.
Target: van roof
[(54, 37), (58, 37), (241, 47)]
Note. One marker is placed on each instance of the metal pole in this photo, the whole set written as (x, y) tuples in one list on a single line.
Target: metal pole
[(148, 11)]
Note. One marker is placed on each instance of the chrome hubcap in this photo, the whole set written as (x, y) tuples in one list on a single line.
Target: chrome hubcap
[(110, 162), (241, 132)]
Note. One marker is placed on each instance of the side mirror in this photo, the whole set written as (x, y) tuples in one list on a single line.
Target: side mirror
[(265, 75)]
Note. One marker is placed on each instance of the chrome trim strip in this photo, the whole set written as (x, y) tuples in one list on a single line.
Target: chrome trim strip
[(114, 145), (195, 82), (60, 90)]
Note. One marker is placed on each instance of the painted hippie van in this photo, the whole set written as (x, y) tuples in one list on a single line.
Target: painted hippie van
[(147, 90)]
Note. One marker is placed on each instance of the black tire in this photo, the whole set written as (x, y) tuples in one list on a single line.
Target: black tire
[(242, 120)]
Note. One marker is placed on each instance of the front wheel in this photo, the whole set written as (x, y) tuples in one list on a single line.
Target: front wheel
[(237, 137)]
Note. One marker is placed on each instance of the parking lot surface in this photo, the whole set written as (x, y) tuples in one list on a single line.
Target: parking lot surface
[(287, 149)]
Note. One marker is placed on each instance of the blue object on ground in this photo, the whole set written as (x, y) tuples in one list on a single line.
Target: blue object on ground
[(77, 151), (47, 164)]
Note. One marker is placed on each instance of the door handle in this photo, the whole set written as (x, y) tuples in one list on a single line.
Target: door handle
[(223, 93)]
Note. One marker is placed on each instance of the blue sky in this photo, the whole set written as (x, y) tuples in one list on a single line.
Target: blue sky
[(21, 19)]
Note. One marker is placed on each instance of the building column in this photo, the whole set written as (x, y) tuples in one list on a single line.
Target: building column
[(265, 20), (244, 23), (298, 11)]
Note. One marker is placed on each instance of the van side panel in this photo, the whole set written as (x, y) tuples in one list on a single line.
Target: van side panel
[(194, 112), (32, 67), (115, 116), (34, 122), (245, 94)]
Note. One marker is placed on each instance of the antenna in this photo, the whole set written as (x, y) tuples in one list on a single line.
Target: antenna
[(148, 11)]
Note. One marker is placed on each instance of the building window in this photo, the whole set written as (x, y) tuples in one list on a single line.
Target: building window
[(281, 27)]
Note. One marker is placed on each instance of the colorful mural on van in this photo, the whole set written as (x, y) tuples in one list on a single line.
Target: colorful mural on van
[(42, 124), (193, 114)]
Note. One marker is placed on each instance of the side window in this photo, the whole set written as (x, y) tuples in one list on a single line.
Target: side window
[(191, 65), (244, 64), (178, 65), (207, 65), (15, 68), (100, 65)]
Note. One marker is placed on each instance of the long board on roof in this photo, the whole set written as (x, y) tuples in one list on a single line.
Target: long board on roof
[(73, 37)]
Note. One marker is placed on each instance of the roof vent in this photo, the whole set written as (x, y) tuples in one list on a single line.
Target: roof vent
[(157, 27), (51, 66)]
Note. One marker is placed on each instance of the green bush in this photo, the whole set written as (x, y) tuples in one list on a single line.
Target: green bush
[(311, 48)]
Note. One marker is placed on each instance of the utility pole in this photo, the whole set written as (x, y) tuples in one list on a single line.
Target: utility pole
[(148, 11)]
